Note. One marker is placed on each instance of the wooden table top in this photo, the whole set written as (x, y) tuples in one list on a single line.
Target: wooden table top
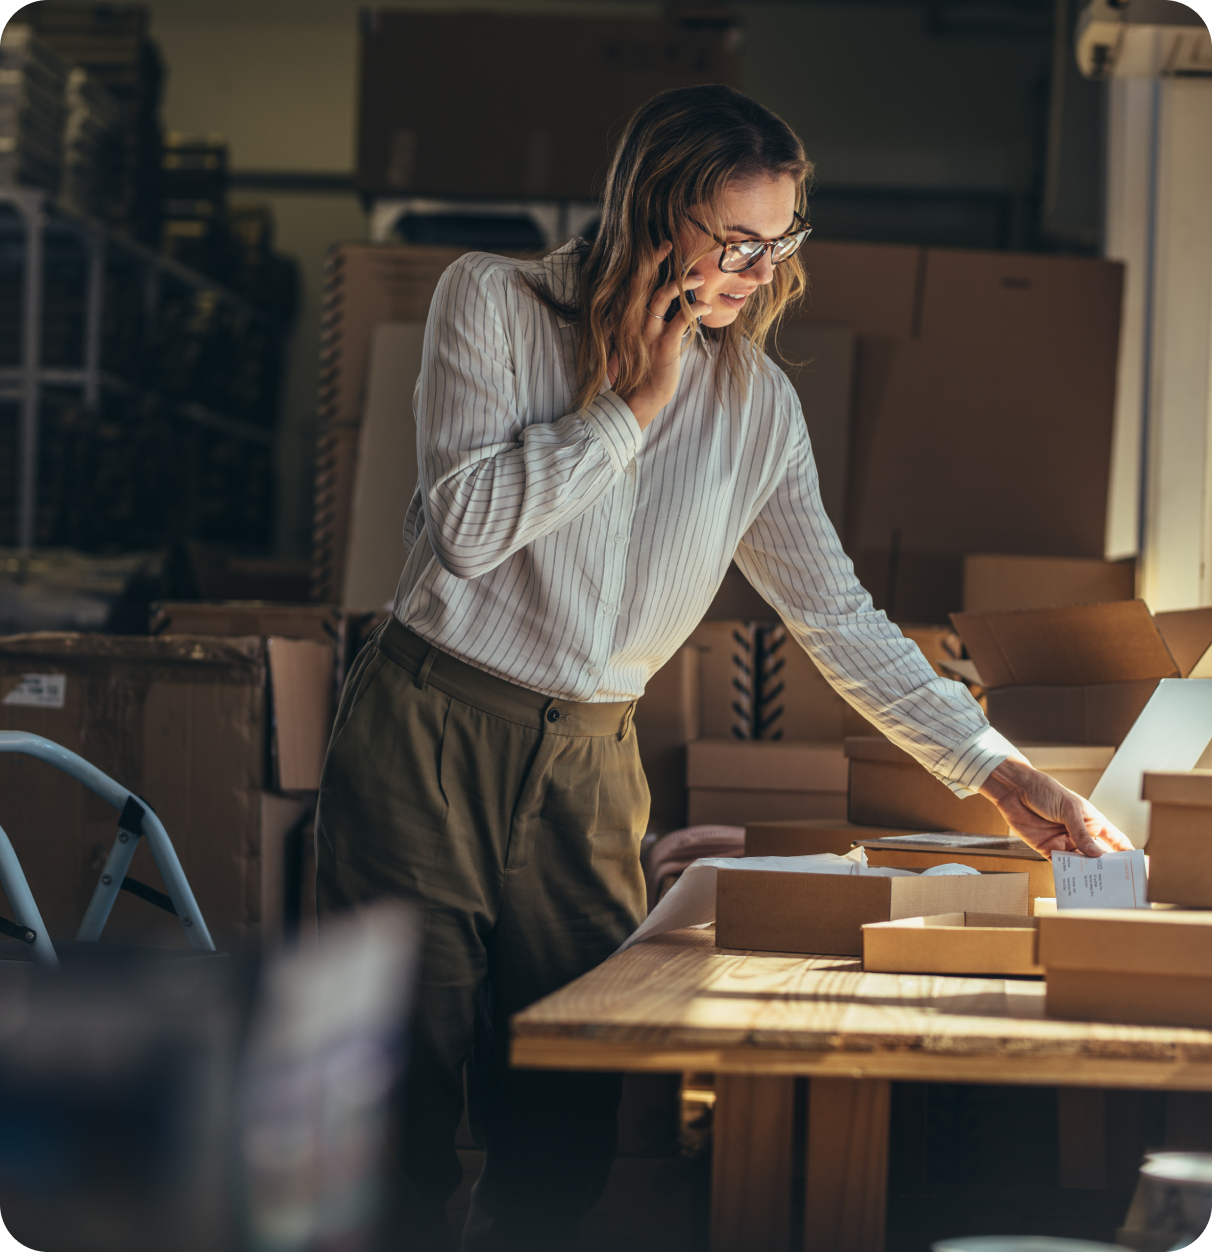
[(676, 1002)]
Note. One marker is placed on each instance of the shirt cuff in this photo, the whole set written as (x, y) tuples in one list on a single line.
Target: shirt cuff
[(974, 760), (615, 424)]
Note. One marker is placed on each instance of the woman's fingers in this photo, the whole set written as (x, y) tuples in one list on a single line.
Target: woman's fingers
[(658, 306)]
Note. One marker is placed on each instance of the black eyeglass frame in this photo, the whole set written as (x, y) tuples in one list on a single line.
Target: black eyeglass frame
[(803, 231)]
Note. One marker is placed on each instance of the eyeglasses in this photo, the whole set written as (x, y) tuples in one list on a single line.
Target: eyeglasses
[(746, 253)]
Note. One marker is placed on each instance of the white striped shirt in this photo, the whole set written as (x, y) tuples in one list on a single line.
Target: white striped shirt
[(572, 553)]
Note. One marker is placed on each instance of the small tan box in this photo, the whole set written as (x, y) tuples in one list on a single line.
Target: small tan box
[(1180, 838), (980, 944), (734, 781), (789, 911), (1146, 967), (889, 788), (990, 854), (807, 838)]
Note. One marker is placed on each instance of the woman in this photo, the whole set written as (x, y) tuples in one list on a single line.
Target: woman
[(594, 450)]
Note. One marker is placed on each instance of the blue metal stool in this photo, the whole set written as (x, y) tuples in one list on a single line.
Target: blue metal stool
[(135, 821)]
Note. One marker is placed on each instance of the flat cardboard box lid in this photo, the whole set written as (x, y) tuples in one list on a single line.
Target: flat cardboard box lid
[(1190, 787), (953, 842), (1045, 756), (765, 765), (1130, 941), (1067, 647)]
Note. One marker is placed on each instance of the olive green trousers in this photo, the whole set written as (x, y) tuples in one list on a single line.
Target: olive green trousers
[(512, 822)]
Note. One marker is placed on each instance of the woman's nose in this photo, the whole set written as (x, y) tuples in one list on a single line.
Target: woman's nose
[(763, 271)]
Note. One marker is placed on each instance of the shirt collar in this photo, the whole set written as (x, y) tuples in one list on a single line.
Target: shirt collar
[(559, 270)]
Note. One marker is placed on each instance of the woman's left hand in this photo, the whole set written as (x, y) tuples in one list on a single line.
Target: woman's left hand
[(1049, 817)]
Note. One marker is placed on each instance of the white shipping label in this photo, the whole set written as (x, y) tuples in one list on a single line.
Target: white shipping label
[(1115, 880), (39, 691)]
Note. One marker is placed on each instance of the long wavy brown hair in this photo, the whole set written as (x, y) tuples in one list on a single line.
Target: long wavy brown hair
[(677, 155)]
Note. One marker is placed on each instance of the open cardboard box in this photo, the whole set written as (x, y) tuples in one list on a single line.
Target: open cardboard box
[(889, 788), (997, 581), (734, 781), (789, 911), (1180, 837), (210, 731), (992, 944), (1083, 673), (1148, 967), (990, 854)]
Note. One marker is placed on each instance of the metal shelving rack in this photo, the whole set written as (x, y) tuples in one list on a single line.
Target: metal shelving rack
[(37, 213)]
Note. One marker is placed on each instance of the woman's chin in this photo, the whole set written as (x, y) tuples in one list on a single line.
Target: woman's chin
[(717, 319)]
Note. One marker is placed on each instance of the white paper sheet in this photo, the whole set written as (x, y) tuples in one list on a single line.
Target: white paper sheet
[(691, 900), (1115, 880), (1171, 733)]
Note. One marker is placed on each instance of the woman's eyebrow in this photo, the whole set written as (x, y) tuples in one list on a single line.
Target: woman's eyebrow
[(748, 230)]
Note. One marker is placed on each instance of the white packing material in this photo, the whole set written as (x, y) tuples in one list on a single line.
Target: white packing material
[(691, 900)]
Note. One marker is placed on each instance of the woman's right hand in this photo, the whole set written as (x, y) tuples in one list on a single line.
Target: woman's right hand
[(665, 343)]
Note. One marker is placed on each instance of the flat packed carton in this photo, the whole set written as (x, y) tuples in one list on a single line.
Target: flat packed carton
[(210, 731), (996, 582), (1083, 673), (1180, 838), (786, 911), (986, 853), (806, 838), (732, 782), (1150, 968), (889, 788), (979, 944)]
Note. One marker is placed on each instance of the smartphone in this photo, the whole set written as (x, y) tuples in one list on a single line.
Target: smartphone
[(675, 306)]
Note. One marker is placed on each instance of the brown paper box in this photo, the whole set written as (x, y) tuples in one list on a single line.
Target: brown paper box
[(1037, 869), (993, 582), (1149, 967), (889, 788), (1180, 837), (733, 782), (806, 838), (322, 623), (1083, 673), (185, 722), (782, 911), (975, 944)]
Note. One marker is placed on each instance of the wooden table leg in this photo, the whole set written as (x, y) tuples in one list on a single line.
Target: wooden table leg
[(751, 1168), (846, 1189)]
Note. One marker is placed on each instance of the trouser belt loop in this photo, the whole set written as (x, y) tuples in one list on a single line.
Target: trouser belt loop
[(422, 679), (626, 723)]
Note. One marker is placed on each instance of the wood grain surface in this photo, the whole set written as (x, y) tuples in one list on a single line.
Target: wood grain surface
[(676, 1002)]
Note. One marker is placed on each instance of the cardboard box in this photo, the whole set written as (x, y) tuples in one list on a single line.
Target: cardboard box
[(732, 782), (1146, 967), (1083, 673), (974, 944), (889, 788), (1180, 838), (726, 678), (994, 342), (421, 132), (994, 583), (321, 623), (666, 720), (785, 911), (204, 729), (893, 849), (806, 838)]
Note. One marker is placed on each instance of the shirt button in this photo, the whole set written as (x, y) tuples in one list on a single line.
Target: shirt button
[(594, 671), (620, 538)]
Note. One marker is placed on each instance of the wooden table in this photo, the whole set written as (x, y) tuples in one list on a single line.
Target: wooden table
[(677, 1003)]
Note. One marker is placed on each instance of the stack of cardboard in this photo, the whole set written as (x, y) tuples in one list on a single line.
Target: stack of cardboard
[(32, 113), (223, 736)]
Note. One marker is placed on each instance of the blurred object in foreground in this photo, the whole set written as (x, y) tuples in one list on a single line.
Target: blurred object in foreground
[(327, 1047), (1172, 1202), (114, 1078)]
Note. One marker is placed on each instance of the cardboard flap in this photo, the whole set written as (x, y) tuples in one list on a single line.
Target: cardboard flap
[(302, 678), (1188, 635), (1067, 647), (1192, 787)]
